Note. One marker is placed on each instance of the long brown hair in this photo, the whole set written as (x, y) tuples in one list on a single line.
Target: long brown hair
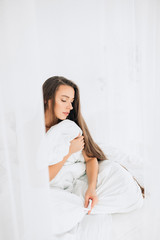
[(50, 86)]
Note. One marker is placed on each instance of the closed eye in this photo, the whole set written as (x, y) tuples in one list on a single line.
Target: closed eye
[(65, 101)]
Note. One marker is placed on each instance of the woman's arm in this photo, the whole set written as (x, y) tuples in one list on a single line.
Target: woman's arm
[(76, 145), (54, 169), (91, 170), (92, 173)]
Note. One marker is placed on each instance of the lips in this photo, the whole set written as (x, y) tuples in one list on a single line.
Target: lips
[(66, 113)]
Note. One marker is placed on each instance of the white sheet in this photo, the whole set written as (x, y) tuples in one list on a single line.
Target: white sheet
[(117, 191)]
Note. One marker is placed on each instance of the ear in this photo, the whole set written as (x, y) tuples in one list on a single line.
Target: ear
[(45, 101), (49, 104)]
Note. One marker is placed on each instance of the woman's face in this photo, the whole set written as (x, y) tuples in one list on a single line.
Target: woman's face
[(64, 98)]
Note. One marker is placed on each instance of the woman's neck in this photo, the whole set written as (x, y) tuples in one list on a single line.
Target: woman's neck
[(49, 121), (47, 128)]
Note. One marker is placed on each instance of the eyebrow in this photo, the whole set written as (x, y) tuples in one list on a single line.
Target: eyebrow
[(65, 96)]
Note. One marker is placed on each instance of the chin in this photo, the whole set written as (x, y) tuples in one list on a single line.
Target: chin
[(62, 118)]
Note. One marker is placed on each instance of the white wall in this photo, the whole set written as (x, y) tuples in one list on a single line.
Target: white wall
[(71, 35), (96, 44)]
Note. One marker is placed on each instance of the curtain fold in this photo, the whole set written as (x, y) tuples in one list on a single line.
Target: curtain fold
[(151, 116)]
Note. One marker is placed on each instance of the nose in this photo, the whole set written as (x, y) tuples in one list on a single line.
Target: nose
[(70, 106)]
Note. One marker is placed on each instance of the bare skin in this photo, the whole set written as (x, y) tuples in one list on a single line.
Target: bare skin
[(63, 104)]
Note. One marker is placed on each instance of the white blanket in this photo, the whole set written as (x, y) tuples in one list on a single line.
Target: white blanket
[(117, 191)]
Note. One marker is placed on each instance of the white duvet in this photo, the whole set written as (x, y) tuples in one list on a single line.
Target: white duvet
[(117, 190)]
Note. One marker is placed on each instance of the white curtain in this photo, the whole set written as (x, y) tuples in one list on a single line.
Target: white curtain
[(24, 212), (110, 48)]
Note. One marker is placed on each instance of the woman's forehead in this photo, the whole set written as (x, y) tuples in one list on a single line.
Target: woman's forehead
[(65, 91)]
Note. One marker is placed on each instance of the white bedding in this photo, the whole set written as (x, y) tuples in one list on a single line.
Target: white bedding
[(117, 191)]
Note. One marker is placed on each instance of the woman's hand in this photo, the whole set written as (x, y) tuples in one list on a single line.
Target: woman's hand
[(77, 144), (90, 194)]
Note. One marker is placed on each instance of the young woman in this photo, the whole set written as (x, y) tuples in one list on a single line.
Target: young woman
[(62, 101), (111, 188)]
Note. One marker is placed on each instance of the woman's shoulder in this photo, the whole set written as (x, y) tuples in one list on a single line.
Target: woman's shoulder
[(68, 122), (66, 126), (65, 123)]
